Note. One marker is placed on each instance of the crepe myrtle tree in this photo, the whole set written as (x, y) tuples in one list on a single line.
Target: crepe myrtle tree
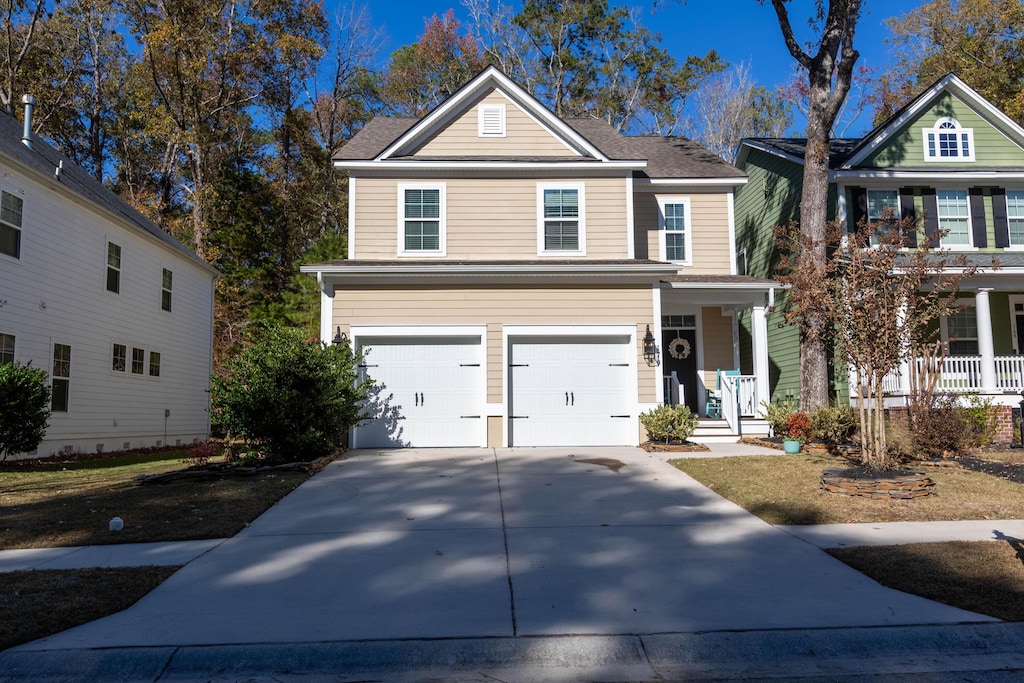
[(24, 408), (881, 297), (287, 397)]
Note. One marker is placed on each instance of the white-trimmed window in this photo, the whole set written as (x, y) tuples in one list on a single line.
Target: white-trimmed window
[(884, 210), (561, 223), (421, 219), (954, 215), (674, 233), (948, 141), (119, 358), (113, 268), (138, 361), (154, 363), (960, 332), (61, 379), (1015, 216), (6, 348), (165, 293), (10, 224), (491, 120)]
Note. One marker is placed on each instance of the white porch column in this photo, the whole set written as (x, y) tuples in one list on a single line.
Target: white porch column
[(985, 345), (906, 357), (326, 312), (759, 340)]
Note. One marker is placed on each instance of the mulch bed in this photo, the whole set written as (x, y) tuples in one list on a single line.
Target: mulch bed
[(217, 470), (1003, 470), (685, 447)]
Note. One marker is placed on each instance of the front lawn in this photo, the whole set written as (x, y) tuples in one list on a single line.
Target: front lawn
[(784, 490), (71, 502)]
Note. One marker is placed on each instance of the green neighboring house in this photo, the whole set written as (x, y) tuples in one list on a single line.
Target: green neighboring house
[(950, 160)]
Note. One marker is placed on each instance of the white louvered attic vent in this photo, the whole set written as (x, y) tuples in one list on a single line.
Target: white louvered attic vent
[(491, 118)]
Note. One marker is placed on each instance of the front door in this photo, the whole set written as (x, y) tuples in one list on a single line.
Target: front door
[(679, 354), (1018, 319)]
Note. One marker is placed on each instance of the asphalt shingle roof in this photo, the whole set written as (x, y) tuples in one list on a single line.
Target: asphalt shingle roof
[(667, 157), (46, 159), (839, 148)]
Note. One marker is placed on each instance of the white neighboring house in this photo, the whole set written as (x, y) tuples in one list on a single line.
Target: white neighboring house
[(118, 312)]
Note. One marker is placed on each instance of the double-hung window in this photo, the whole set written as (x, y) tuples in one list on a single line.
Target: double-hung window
[(560, 219), (954, 217), (61, 378), (421, 219), (138, 361), (113, 268), (883, 211), (165, 294), (10, 224), (6, 348), (947, 141), (960, 331), (119, 358), (1015, 216), (154, 364), (674, 229)]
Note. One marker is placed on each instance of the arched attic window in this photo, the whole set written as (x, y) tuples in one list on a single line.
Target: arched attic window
[(948, 141)]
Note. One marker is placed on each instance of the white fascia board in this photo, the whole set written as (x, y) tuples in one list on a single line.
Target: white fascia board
[(661, 184), (442, 268), (931, 176), (749, 286), (405, 165), (470, 90)]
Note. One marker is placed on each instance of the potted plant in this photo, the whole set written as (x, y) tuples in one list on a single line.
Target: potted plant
[(798, 429)]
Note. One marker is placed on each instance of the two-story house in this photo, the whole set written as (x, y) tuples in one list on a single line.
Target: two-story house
[(505, 267), (953, 163), (118, 312)]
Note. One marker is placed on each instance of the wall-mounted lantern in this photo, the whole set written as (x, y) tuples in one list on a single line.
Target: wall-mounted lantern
[(650, 348), (340, 337)]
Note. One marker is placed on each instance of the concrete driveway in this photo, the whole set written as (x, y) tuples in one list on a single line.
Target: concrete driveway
[(472, 543)]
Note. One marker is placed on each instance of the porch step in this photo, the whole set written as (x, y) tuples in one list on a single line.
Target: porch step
[(718, 431)]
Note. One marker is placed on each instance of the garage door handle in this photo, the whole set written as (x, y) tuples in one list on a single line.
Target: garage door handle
[(469, 365), (618, 415), (572, 395), (366, 365), (618, 365), (518, 417), (470, 417), (567, 398)]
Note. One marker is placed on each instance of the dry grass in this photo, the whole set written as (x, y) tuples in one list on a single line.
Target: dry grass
[(784, 490), (40, 603), (71, 503), (986, 577)]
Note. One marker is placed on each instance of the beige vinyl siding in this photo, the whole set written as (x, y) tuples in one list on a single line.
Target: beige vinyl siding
[(498, 306), (523, 136), (491, 218), (716, 339), (906, 147), (709, 218)]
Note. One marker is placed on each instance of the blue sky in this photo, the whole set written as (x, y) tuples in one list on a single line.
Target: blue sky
[(740, 30)]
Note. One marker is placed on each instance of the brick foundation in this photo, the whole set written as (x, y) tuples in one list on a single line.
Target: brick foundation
[(1006, 428)]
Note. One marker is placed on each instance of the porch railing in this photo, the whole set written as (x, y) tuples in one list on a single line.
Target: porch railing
[(674, 391), (962, 374), (739, 399)]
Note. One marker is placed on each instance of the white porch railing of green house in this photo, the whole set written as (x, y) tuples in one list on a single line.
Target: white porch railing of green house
[(963, 374), (739, 399), (674, 392)]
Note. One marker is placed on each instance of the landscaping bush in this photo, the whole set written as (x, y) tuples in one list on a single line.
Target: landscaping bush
[(776, 415), (939, 431), (669, 423), (834, 424), (288, 398), (980, 419), (24, 408), (798, 426)]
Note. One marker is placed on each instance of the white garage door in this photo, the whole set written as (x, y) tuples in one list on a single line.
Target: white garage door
[(571, 391), (428, 392)]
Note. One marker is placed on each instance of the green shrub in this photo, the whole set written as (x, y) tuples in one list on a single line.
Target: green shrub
[(24, 408), (776, 414), (289, 398), (834, 424), (669, 423), (980, 419)]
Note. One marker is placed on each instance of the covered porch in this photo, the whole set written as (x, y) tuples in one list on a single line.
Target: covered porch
[(700, 348)]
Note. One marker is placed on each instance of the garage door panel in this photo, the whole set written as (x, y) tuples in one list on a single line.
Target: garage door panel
[(567, 391), (430, 392)]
